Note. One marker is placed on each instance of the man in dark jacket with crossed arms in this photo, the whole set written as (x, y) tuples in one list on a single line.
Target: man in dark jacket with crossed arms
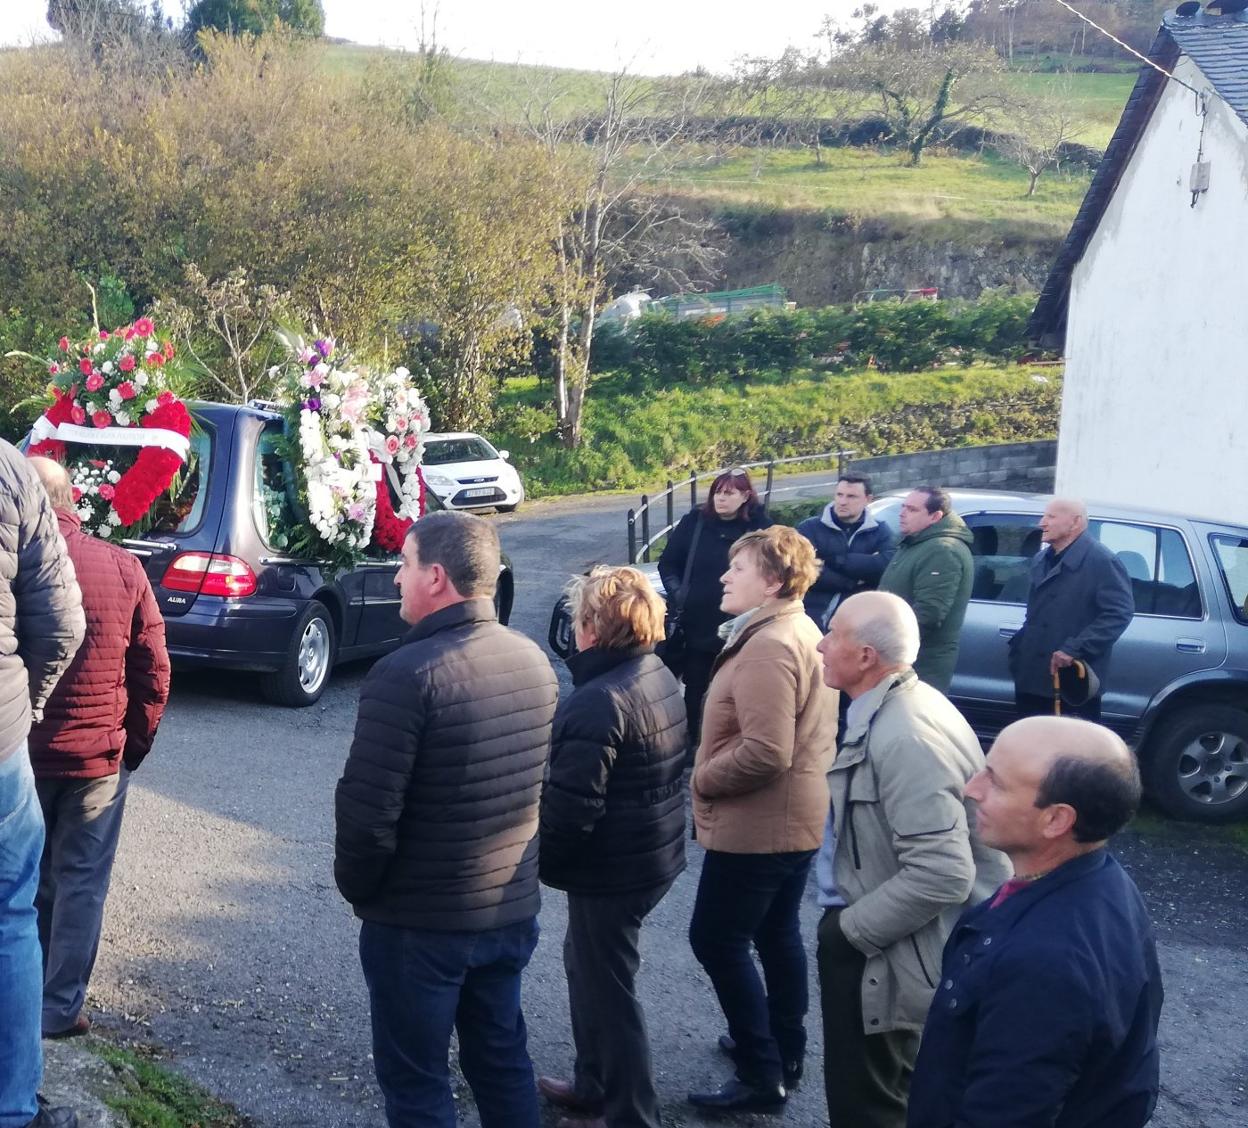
[(97, 727), (436, 847), (853, 548), (41, 626)]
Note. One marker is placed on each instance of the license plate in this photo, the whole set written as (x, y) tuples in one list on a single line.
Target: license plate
[(479, 493)]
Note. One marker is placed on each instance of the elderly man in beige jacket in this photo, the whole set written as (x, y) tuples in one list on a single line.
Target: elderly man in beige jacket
[(899, 861)]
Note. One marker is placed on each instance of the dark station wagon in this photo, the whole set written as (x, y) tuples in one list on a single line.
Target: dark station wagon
[(233, 597)]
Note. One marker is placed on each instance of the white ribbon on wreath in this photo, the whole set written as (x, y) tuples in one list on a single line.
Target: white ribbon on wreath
[(406, 488), (111, 436)]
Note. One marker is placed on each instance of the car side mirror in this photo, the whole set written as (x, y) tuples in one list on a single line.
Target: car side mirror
[(504, 454)]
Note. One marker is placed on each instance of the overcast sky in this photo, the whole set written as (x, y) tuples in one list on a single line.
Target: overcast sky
[(654, 36)]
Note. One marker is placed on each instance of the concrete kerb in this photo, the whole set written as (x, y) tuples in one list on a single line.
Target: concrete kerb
[(74, 1076)]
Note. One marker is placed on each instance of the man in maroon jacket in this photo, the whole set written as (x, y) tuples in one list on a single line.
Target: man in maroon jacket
[(97, 727)]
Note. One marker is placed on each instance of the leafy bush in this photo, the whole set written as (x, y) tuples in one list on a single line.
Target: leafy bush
[(896, 336)]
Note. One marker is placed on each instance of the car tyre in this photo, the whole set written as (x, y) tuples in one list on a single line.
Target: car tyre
[(1197, 763), (508, 508), (309, 659)]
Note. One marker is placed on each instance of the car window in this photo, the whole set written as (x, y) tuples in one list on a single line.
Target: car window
[(181, 507), (272, 503), (438, 452), (1003, 547), (1232, 557), (1163, 580)]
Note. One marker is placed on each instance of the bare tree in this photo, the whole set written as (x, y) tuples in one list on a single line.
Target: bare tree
[(787, 97), (615, 164), (914, 90), (226, 328), (1042, 129)]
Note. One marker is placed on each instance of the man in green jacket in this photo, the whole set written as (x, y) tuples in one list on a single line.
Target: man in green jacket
[(933, 571)]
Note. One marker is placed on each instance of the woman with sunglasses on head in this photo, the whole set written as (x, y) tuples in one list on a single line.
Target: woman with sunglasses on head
[(690, 566)]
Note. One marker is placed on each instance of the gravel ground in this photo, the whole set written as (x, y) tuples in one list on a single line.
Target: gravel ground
[(227, 942)]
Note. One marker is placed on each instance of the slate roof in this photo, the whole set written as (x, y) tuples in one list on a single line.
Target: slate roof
[(1218, 45)]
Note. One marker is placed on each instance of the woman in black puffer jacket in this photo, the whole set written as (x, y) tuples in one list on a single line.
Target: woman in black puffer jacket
[(613, 834), (698, 548)]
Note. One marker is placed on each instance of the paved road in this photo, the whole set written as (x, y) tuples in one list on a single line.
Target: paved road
[(227, 942)]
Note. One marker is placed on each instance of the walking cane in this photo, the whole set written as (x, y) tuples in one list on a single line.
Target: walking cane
[(1081, 671)]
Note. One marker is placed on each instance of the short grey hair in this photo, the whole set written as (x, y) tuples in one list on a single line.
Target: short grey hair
[(467, 548), (886, 623)]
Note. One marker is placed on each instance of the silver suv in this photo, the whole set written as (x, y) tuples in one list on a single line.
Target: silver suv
[(1178, 682)]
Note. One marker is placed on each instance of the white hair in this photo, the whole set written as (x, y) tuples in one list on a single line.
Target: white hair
[(886, 623)]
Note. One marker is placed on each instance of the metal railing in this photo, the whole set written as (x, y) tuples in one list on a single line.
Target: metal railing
[(639, 518)]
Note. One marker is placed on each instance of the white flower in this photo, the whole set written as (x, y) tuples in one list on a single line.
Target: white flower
[(123, 419), (84, 513), (107, 366), (114, 477), (97, 348), (114, 397), (150, 406), (140, 379), (114, 518)]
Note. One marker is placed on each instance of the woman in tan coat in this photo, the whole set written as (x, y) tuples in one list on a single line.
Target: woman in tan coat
[(760, 802)]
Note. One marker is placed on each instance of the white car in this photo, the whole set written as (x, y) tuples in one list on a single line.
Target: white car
[(465, 472)]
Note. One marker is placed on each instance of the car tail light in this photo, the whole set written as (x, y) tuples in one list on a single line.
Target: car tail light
[(209, 573)]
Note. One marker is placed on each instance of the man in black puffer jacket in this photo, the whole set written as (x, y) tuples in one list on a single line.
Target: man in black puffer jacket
[(613, 835), (436, 847), (41, 627)]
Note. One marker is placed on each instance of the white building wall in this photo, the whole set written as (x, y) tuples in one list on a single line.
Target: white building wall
[(1155, 399)]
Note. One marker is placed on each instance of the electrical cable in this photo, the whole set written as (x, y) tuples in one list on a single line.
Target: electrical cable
[(1131, 50)]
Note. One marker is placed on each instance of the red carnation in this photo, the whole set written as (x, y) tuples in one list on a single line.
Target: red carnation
[(126, 364), (103, 334), (77, 494), (95, 382), (144, 327), (126, 390), (64, 343), (156, 360), (78, 415), (53, 369), (84, 366), (101, 419), (168, 350), (165, 398)]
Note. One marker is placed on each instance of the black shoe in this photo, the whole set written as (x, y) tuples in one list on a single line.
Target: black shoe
[(737, 1096), (792, 1069)]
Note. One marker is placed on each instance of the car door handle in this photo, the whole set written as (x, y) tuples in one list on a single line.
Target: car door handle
[(1190, 645), (1009, 630)]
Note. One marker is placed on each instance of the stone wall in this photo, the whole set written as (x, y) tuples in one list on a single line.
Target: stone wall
[(1026, 467)]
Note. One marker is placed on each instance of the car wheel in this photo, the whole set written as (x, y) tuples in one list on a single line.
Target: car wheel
[(302, 680), (1197, 763), (507, 508)]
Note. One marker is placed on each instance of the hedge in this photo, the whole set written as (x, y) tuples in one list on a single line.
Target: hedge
[(893, 336)]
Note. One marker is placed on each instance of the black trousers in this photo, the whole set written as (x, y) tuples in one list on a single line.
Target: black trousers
[(697, 678), (601, 959), (1040, 705), (753, 899), (867, 1076)]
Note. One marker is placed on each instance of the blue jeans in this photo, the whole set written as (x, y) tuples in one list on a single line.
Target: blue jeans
[(21, 963), (749, 900), (424, 984)]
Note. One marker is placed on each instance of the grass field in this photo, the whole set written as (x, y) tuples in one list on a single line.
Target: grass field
[(878, 183), (637, 435)]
